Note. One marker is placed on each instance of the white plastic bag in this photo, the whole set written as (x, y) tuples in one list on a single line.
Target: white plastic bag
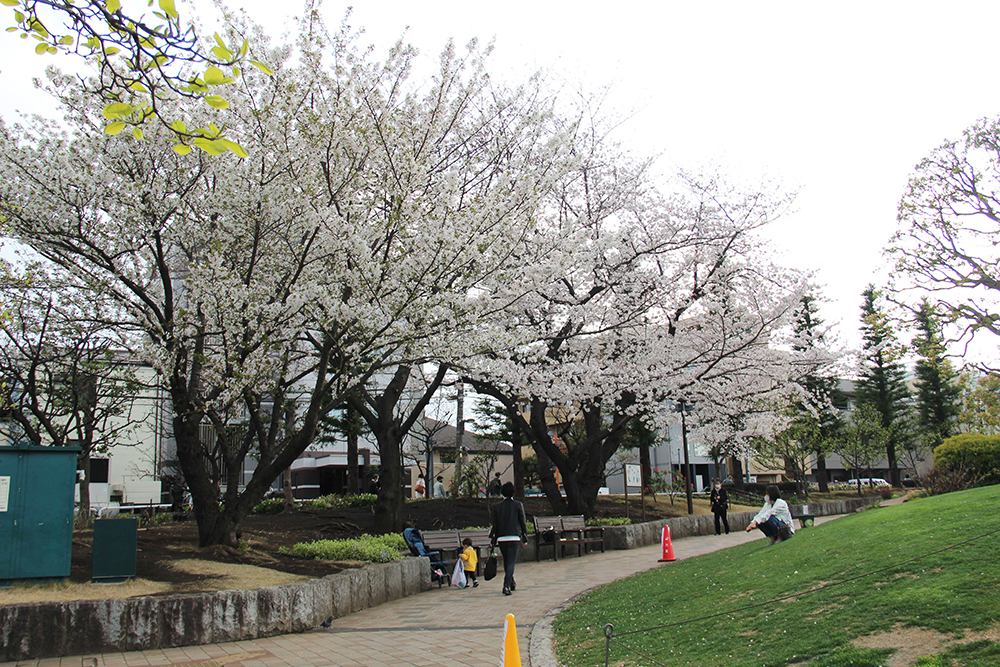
[(458, 576)]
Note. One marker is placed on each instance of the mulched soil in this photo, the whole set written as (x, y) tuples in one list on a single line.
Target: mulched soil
[(160, 546)]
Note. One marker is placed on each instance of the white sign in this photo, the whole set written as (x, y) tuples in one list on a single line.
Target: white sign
[(633, 475), (4, 493)]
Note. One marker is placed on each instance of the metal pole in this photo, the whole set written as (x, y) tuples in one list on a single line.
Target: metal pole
[(687, 460), (609, 630), (625, 480)]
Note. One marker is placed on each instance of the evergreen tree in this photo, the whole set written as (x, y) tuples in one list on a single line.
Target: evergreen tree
[(938, 395), (816, 415), (881, 382)]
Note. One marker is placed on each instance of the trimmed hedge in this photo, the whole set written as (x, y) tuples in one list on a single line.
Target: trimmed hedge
[(370, 548), (971, 453)]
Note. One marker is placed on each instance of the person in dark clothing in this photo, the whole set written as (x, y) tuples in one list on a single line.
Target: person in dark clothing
[(508, 529), (720, 506), (493, 488)]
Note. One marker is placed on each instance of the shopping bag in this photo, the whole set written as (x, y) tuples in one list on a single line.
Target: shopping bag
[(458, 576), (490, 569)]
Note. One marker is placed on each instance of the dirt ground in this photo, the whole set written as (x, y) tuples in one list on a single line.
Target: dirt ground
[(169, 561)]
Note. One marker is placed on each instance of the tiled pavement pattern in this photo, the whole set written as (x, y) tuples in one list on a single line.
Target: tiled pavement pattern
[(440, 627)]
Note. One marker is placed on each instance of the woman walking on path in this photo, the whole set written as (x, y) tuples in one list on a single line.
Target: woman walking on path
[(720, 506), (508, 529)]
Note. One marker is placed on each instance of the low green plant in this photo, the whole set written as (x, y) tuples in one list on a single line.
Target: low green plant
[(369, 548), (334, 501), (609, 521), (162, 518), (269, 506), (794, 587)]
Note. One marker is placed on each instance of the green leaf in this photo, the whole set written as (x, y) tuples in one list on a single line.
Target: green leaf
[(113, 6), (262, 67), (181, 149), (244, 47), (216, 102), (117, 110), (210, 146), (19, 17), (138, 87), (221, 53), (169, 8), (234, 148), (179, 126), (68, 40), (214, 129), (10, 3), (218, 40), (114, 128), (41, 48), (214, 76), (137, 132), (111, 50)]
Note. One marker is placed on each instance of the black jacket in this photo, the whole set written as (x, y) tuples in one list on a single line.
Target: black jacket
[(507, 518), (720, 501)]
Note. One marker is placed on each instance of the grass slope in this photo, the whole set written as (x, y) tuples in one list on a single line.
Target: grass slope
[(951, 592)]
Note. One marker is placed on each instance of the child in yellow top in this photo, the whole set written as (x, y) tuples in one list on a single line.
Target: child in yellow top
[(469, 561)]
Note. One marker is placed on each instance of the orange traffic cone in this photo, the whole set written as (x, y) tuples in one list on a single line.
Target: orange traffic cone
[(510, 656), (668, 549)]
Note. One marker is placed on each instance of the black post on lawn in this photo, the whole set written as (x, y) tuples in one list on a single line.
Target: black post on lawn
[(609, 630)]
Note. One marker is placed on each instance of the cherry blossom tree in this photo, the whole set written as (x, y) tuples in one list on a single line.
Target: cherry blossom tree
[(645, 298), (371, 220)]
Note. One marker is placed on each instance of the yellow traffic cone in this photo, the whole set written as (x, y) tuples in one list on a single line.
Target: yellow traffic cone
[(510, 655)]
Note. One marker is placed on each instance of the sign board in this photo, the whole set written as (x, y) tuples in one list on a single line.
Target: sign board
[(4, 493), (633, 475)]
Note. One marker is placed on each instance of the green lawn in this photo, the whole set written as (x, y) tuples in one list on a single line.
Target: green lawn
[(953, 592)]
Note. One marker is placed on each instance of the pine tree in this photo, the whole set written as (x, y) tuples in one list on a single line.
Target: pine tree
[(882, 380), (938, 399), (816, 415)]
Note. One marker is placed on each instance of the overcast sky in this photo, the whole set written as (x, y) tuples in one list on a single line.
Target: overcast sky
[(837, 101)]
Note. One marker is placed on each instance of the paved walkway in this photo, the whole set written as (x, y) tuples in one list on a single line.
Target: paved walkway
[(440, 627)]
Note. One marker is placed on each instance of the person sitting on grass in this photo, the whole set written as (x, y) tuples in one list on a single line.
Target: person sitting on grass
[(773, 516), (469, 560)]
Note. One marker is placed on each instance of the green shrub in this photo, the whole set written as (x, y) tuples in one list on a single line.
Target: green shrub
[(369, 548), (609, 521), (976, 455), (269, 506), (333, 501)]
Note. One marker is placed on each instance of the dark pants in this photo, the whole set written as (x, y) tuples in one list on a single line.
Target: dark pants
[(509, 552), (771, 526), (725, 520)]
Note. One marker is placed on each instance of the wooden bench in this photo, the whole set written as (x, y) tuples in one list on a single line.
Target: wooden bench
[(450, 541), (559, 531)]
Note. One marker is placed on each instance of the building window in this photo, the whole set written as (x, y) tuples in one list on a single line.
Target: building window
[(99, 471)]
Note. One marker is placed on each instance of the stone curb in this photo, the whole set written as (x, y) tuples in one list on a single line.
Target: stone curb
[(31, 631)]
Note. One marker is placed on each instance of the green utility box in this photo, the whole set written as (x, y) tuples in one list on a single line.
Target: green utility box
[(114, 550), (36, 512)]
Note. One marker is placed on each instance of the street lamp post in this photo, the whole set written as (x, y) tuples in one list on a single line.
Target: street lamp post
[(687, 459)]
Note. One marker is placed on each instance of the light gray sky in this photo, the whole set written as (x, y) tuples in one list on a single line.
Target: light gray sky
[(835, 100)]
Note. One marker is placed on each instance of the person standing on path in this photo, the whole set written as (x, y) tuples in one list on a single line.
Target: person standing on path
[(720, 506), (508, 529), (439, 491)]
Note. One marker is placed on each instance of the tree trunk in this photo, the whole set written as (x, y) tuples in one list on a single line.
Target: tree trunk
[(353, 483), (890, 451), (389, 505), (737, 473), (645, 465), (550, 487), (518, 461), (822, 476)]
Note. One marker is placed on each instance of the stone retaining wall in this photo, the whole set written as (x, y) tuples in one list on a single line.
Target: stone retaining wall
[(644, 534), (51, 629)]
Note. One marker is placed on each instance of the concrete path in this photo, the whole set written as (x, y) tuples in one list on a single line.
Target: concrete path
[(440, 627)]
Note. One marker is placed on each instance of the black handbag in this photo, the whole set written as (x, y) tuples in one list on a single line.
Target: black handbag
[(490, 569)]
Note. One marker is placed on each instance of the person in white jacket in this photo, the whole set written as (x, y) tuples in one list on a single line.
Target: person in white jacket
[(773, 516)]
